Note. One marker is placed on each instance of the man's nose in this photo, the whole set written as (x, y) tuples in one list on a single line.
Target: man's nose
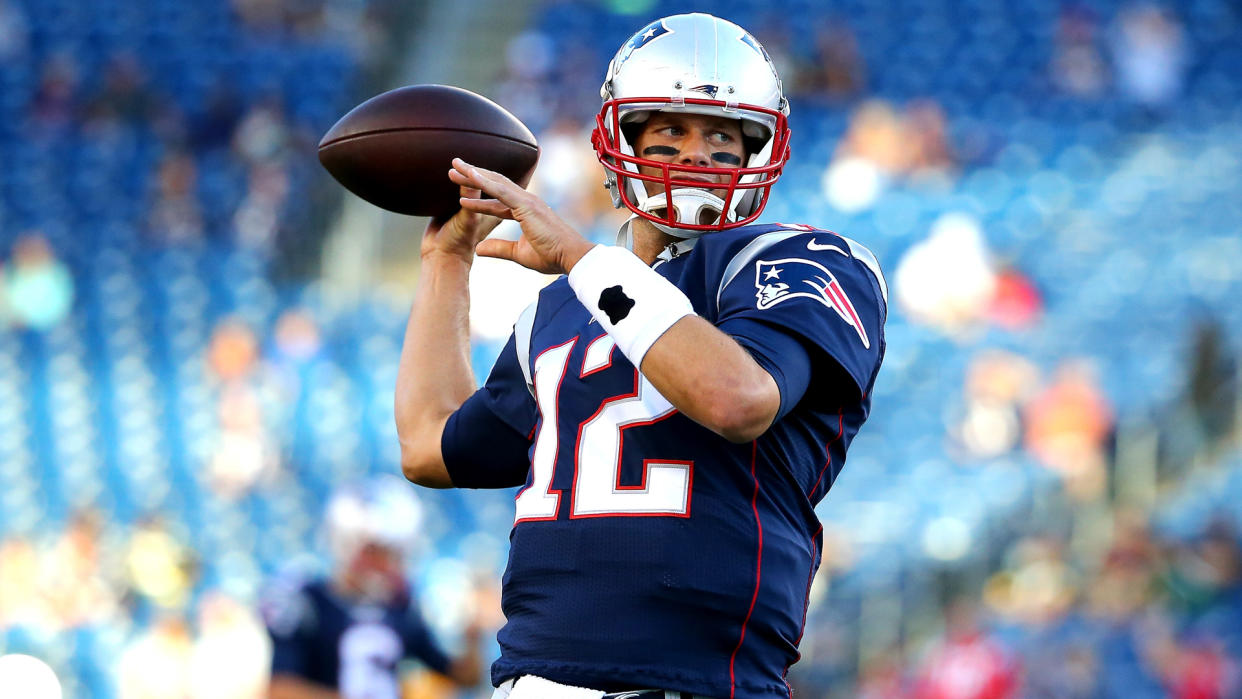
[(696, 151)]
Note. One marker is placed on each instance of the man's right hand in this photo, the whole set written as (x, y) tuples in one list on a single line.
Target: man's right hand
[(458, 234)]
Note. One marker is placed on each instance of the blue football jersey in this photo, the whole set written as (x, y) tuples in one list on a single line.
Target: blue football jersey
[(648, 551), (332, 641)]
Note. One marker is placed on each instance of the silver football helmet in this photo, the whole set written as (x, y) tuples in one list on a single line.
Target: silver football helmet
[(382, 510), (700, 64)]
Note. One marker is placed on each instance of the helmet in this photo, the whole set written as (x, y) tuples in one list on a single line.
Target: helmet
[(697, 64), (381, 511)]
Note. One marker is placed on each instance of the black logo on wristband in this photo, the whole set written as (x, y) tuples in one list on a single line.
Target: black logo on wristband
[(615, 303)]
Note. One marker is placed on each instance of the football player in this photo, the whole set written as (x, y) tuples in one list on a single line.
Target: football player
[(344, 636), (675, 406)]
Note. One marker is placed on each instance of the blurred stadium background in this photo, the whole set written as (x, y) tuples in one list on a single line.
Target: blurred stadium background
[(199, 330)]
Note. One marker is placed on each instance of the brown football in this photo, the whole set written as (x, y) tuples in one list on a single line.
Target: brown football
[(395, 149)]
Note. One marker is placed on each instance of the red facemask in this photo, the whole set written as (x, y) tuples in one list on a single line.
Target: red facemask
[(607, 139)]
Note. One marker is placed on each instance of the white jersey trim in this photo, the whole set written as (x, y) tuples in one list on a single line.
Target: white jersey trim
[(522, 330)]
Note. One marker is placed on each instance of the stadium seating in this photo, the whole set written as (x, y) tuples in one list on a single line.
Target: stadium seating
[(1126, 225)]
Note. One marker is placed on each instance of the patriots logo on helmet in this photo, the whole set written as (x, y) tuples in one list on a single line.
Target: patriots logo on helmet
[(644, 36), (709, 90), (781, 280)]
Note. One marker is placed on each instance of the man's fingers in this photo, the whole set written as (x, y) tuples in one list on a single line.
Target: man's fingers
[(494, 184), (495, 247), (491, 207)]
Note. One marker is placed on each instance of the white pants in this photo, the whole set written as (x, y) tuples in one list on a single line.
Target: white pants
[(532, 687)]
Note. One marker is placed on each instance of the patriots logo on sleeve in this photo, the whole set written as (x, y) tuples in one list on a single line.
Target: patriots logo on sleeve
[(781, 280)]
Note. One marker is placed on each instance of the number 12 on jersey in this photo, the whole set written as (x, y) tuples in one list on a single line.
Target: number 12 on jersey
[(597, 489)]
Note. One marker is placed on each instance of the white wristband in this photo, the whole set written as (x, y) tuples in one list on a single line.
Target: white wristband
[(632, 301)]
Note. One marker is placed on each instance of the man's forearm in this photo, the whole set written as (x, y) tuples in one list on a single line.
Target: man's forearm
[(712, 379), (434, 377)]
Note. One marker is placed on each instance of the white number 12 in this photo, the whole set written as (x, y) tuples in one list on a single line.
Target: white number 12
[(597, 490)]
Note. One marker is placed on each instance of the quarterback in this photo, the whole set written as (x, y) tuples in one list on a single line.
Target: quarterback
[(674, 406)]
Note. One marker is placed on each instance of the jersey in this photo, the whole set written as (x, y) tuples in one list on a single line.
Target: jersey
[(352, 647), (647, 551)]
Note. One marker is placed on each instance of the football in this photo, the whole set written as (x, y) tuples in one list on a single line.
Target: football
[(395, 149)]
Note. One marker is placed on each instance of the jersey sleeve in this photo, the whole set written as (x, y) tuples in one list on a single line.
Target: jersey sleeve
[(503, 411), (780, 354), (420, 644), (823, 290)]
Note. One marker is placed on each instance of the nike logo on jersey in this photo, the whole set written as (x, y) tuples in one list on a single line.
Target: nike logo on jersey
[(812, 245), (780, 280)]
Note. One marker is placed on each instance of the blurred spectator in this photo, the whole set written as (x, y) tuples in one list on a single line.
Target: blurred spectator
[(231, 651), (77, 573), (997, 384), (156, 663), (881, 145), (898, 143), (262, 16), (875, 134), (296, 340), (20, 601), (835, 69), (264, 135), (526, 88), (38, 287), (1151, 56), (124, 95), (176, 215), (232, 351), (1078, 67), (1069, 426), (14, 32), (1213, 384), (883, 677), (258, 219), (55, 103), (1037, 586), (159, 568), (243, 454), (947, 281), (568, 179), (968, 663), (1016, 303), (926, 145), (213, 127)]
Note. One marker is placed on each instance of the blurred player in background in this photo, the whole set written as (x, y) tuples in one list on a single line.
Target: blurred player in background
[(345, 635), (666, 538)]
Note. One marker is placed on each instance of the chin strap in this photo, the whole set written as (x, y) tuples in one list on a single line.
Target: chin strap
[(676, 249), (625, 234), (625, 239)]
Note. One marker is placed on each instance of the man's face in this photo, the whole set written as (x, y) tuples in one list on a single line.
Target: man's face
[(697, 140), (375, 571)]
